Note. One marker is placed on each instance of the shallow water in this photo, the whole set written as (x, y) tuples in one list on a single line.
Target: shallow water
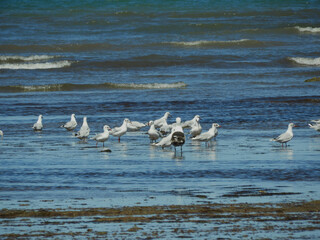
[(225, 63)]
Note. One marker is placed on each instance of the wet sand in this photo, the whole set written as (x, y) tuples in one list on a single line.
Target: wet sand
[(291, 220)]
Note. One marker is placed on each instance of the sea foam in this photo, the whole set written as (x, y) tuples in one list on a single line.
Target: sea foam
[(227, 43), (41, 65), (26, 58), (306, 61), (84, 87), (308, 29)]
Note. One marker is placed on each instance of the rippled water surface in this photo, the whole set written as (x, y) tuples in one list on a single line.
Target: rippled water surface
[(243, 66)]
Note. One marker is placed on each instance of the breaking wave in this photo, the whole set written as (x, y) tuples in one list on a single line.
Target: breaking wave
[(30, 66), (308, 29), (306, 61), (83, 87), (25, 58), (230, 43), (32, 62)]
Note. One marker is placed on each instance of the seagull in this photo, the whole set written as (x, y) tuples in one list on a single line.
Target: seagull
[(196, 128), (165, 128), (153, 133), (102, 137), (72, 124), (176, 127), (286, 136), (84, 131), (207, 136), (135, 125), (164, 142), (315, 126), (177, 135), (119, 131), (190, 123), (159, 122), (38, 125), (1, 134)]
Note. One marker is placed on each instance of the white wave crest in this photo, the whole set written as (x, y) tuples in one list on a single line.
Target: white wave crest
[(306, 61), (308, 29), (31, 66), (26, 58), (206, 42), (149, 85)]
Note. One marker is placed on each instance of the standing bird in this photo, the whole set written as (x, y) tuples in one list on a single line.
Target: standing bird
[(153, 133), (119, 131), (102, 137), (72, 124), (210, 134), (1, 134), (196, 128), (177, 135), (168, 140), (286, 136), (84, 131), (190, 123), (165, 128), (159, 122), (38, 125)]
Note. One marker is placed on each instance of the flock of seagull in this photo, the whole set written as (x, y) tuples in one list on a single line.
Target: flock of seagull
[(169, 134)]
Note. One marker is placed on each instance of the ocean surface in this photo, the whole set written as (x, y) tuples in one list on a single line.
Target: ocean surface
[(242, 64)]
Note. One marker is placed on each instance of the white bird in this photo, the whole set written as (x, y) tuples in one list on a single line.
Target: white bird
[(164, 142), (102, 137), (159, 122), (286, 136), (165, 128), (1, 134), (119, 131), (135, 125), (176, 131), (177, 126), (72, 124), (315, 126), (153, 133), (190, 123), (196, 128), (84, 131), (210, 134), (38, 125)]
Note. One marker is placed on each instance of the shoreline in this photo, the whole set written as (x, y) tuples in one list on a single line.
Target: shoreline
[(236, 220)]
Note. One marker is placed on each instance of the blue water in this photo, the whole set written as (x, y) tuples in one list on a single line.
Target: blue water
[(242, 64)]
